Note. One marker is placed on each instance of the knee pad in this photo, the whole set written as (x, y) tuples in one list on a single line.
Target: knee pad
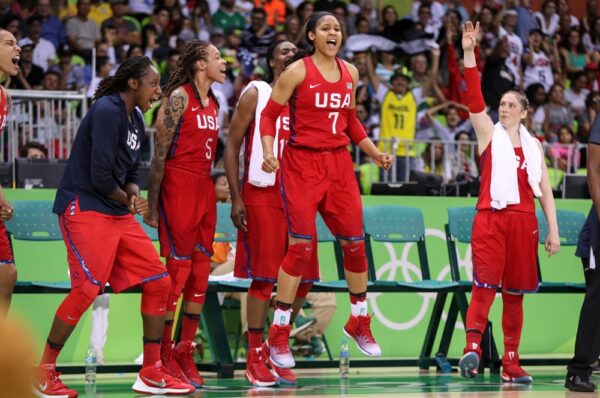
[(77, 302), (303, 289), (179, 271), (297, 258), (261, 290), (355, 257), (195, 288), (154, 296)]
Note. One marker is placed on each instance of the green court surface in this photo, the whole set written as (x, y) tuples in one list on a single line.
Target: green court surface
[(390, 382)]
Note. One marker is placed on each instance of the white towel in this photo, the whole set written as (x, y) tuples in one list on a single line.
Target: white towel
[(504, 188), (256, 176)]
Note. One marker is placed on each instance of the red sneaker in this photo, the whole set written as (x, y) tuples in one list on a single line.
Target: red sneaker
[(358, 328), (172, 366), (183, 354), (50, 384), (283, 375), (512, 371), (257, 372), (278, 343), (157, 380)]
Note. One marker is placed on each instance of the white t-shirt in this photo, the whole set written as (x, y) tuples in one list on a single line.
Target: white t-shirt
[(43, 52), (576, 101), (515, 50), (539, 72)]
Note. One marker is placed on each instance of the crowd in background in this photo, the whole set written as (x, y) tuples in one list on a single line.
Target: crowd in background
[(549, 54)]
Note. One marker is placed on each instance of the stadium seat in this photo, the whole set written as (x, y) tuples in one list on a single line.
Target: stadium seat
[(401, 225)]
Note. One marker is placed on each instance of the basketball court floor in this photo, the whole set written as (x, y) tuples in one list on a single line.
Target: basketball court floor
[(377, 383)]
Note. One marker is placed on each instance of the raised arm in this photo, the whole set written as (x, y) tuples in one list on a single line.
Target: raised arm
[(242, 118), (283, 90), (483, 125), (166, 123)]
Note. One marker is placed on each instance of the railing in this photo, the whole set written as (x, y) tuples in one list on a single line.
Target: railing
[(48, 117)]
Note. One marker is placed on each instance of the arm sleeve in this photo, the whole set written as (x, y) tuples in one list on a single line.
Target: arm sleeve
[(268, 118), (355, 130), (105, 140), (476, 103)]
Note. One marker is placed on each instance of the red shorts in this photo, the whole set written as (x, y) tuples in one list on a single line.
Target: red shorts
[(6, 254), (260, 250), (504, 245), (103, 248), (322, 181), (188, 214)]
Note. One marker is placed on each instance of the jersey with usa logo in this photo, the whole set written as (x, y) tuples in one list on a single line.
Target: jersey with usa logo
[(195, 141), (318, 109)]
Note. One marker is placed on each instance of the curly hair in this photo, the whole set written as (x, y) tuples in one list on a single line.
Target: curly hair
[(185, 71), (131, 68)]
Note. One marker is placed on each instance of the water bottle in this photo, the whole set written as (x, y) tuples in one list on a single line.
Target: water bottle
[(90, 365), (344, 360)]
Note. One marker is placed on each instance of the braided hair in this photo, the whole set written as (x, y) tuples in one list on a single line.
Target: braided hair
[(131, 68), (185, 71), (309, 26)]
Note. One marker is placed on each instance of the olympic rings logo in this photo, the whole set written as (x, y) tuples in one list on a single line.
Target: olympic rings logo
[(401, 268)]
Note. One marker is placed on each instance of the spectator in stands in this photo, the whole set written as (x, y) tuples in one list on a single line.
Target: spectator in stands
[(34, 150), (259, 35), (557, 114), (526, 20), (43, 50), (385, 67), (293, 29), (536, 95), (576, 95), (591, 40), (201, 19), (30, 75), (489, 25), (592, 109), (227, 18), (82, 32), (52, 27), (564, 9), (515, 45), (398, 119), (426, 20), (462, 165), (71, 75), (141, 9), (425, 78), (573, 53), (454, 124), (275, 10), (51, 80), (127, 28), (497, 78), (548, 18), (305, 10), (99, 11), (563, 156), (436, 12), (434, 161), (103, 69), (540, 59)]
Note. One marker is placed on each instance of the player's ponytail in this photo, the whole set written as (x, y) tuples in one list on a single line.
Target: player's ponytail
[(131, 68)]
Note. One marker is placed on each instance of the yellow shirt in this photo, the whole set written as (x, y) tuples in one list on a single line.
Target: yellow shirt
[(99, 12), (398, 119)]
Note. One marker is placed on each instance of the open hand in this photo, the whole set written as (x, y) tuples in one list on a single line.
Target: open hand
[(469, 36)]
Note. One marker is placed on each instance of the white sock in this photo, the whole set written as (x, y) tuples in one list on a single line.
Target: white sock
[(281, 317), (360, 308)]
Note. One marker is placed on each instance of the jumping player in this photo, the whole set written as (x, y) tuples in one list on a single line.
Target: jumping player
[(9, 59), (317, 175), (257, 212), (181, 194), (95, 203), (505, 231)]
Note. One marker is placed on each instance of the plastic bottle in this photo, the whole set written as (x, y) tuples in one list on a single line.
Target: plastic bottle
[(344, 359), (90, 365)]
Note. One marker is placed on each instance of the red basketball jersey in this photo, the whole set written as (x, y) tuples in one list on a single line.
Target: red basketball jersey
[(266, 196), (318, 109), (3, 109), (195, 140), (526, 204)]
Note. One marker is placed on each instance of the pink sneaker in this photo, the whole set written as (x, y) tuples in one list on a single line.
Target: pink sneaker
[(358, 328), (283, 375), (279, 346)]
